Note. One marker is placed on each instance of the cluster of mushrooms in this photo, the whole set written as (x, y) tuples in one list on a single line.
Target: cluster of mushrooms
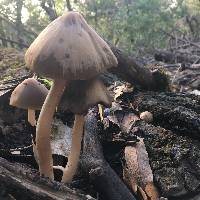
[(72, 54)]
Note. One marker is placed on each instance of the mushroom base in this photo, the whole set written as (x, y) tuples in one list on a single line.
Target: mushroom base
[(73, 159)]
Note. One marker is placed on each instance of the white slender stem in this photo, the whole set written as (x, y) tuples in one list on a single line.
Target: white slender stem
[(43, 128), (73, 158), (31, 117), (100, 107)]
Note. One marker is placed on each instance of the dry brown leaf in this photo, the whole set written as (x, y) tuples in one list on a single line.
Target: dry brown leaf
[(151, 191), (138, 171), (142, 193), (128, 122), (125, 88)]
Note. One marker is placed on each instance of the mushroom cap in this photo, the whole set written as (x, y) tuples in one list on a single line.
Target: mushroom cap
[(68, 48), (30, 94), (80, 95), (146, 116)]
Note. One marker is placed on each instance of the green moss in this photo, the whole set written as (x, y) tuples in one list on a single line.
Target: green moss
[(46, 82)]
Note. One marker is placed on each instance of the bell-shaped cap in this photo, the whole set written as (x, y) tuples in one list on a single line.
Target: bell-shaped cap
[(80, 95), (68, 48), (30, 94)]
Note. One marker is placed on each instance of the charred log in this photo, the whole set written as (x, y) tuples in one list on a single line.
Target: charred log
[(24, 183), (177, 112), (105, 180), (174, 151), (175, 57), (133, 71)]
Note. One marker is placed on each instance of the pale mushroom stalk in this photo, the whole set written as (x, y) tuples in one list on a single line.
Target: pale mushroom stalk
[(78, 98), (73, 158), (31, 117), (43, 128)]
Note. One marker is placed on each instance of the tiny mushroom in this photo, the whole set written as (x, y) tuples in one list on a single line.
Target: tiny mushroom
[(29, 95), (78, 98), (67, 49), (146, 116)]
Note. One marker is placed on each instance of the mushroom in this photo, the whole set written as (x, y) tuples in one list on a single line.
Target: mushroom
[(67, 49), (146, 116), (29, 95), (79, 96)]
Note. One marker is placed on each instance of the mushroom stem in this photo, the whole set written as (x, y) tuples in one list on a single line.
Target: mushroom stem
[(43, 128), (73, 158), (31, 117), (100, 107)]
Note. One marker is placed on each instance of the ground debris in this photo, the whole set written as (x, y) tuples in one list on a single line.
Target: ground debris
[(173, 150), (137, 171)]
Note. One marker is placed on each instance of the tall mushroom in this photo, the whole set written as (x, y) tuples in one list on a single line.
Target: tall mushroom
[(67, 49), (79, 96)]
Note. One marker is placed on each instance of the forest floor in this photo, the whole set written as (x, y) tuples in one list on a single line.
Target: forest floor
[(171, 139)]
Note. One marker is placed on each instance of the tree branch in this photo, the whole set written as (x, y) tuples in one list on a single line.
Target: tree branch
[(69, 6), (49, 9), (24, 183), (104, 178)]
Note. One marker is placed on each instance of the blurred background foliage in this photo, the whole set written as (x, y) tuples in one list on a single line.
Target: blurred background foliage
[(137, 26)]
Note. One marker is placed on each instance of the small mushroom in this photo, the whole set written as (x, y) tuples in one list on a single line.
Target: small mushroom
[(29, 95), (146, 116), (78, 98), (67, 49)]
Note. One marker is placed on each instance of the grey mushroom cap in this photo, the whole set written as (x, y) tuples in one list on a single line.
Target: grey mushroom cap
[(83, 94), (30, 94), (68, 48)]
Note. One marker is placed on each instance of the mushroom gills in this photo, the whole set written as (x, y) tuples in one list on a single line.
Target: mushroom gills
[(78, 98), (80, 95)]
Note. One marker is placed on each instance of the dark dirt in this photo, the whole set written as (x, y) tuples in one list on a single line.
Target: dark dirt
[(14, 128)]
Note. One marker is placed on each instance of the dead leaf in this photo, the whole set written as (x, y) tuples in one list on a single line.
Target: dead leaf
[(138, 172), (125, 88), (128, 122)]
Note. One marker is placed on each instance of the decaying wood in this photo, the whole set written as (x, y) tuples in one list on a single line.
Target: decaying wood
[(133, 71), (178, 112), (103, 177), (174, 151), (175, 57), (23, 183)]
